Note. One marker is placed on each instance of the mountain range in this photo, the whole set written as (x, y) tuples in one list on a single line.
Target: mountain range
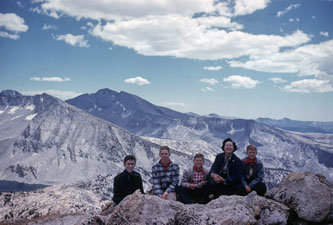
[(48, 141), (299, 126), (188, 132)]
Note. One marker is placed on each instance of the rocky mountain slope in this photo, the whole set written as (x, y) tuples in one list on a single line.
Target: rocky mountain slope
[(47, 141), (279, 149)]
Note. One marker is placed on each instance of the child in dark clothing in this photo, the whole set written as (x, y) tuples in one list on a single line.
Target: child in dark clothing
[(253, 173)]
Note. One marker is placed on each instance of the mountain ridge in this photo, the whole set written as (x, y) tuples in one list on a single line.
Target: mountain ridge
[(278, 148)]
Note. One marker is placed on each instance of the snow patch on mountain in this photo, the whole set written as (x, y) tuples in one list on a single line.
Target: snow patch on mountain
[(30, 107), (31, 116), (13, 110), (16, 117)]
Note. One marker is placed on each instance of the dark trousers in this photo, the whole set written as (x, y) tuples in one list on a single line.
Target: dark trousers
[(260, 188), (222, 189), (189, 196), (218, 189)]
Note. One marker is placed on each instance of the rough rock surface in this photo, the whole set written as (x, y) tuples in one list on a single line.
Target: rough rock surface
[(309, 195), (148, 209), (302, 198), (56, 200)]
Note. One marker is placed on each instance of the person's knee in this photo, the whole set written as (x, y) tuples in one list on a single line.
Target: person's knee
[(172, 196)]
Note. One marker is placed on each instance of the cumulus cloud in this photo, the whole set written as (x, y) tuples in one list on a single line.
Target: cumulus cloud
[(64, 95), (49, 27), (306, 60), (290, 7), (7, 35), (214, 68), (277, 80), (207, 89), (137, 80), (74, 40), (309, 86), (119, 9), (174, 104), (243, 7), (325, 34), (51, 79), (210, 81), (11, 23), (237, 81), (182, 37), (218, 21)]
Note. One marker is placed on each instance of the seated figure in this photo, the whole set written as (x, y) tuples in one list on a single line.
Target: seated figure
[(253, 173)]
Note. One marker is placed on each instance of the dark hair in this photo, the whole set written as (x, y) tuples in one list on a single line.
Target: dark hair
[(129, 157), (226, 140), (165, 148), (199, 155), (251, 147)]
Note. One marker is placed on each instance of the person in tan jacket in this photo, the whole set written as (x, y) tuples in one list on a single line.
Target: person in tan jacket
[(193, 186)]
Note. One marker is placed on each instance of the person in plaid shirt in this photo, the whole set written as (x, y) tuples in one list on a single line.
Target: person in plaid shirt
[(165, 176), (193, 186)]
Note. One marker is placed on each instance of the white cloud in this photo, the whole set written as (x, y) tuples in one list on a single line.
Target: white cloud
[(7, 35), (173, 104), (119, 9), (306, 60), (51, 79), (277, 80), (290, 7), (137, 80), (74, 40), (237, 81), (214, 68), (309, 86), (207, 89), (183, 37), (210, 81), (243, 7), (292, 20), (49, 26), (64, 95), (325, 34), (219, 21), (12, 23), (20, 4)]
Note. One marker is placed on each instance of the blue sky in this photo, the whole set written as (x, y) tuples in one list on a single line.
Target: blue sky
[(236, 58)]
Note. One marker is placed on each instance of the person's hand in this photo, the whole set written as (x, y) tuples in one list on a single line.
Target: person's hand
[(202, 183), (217, 178), (191, 186), (247, 188), (164, 195)]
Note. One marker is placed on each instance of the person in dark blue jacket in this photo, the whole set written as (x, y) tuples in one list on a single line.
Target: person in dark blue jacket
[(226, 170), (253, 173), (127, 182)]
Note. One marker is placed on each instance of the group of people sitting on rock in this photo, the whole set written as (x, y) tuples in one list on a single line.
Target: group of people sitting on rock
[(228, 176)]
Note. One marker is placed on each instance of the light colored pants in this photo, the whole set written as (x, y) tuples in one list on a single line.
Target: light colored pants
[(172, 196)]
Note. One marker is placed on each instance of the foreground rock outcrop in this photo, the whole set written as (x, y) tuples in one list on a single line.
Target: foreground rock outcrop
[(148, 209), (50, 203), (301, 198), (309, 195)]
